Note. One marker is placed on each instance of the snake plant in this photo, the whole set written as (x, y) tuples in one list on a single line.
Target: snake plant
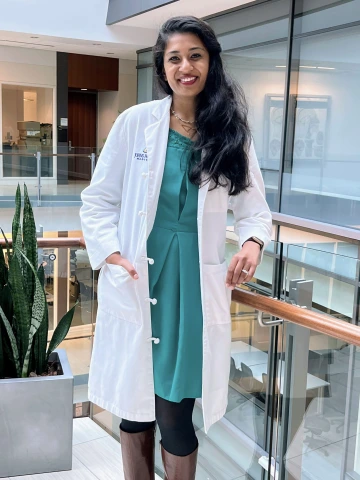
[(23, 308)]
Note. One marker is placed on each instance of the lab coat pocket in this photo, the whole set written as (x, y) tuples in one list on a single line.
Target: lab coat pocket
[(118, 294), (217, 296)]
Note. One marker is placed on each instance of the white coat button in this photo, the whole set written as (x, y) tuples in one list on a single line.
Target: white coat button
[(154, 339), (150, 260), (144, 174), (152, 300), (141, 213)]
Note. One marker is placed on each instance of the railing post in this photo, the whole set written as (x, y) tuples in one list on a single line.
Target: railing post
[(38, 161), (295, 375), (93, 157)]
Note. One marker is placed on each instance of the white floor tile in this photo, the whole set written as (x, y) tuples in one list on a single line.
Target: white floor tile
[(85, 430), (102, 457), (213, 460)]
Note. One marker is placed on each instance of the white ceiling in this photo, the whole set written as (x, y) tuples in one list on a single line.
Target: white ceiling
[(70, 45), (197, 8), (140, 31)]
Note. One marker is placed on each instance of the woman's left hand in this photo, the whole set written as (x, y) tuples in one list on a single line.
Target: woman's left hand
[(247, 259)]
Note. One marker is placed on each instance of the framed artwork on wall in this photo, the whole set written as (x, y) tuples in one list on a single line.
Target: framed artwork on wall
[(311, 125)]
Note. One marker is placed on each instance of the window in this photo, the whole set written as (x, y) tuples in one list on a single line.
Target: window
[(27, 128)]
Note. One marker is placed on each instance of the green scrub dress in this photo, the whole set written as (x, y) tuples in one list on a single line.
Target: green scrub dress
[(174, 280)]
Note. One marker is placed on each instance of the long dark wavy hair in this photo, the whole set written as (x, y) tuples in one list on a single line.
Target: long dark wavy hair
[(221, 112)]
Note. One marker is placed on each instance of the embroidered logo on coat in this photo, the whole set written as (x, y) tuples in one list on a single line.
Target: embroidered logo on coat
[(141, 156)]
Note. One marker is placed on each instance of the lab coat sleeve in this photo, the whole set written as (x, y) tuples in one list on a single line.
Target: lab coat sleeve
[(101, 200), (252, 216)]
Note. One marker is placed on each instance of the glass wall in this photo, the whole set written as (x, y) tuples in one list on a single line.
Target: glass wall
[(320, 179), (252, 53), (145, 78), (300, 78)]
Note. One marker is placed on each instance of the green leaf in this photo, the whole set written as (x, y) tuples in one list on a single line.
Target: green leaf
[(30, 245), (37, 314), (17, 245), (7, 306), (61, 330), (21, 306), (16, 219), (29, 231), (11, 335), (41, 336)]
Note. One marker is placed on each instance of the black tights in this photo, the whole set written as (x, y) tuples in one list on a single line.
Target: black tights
[(175, 424)]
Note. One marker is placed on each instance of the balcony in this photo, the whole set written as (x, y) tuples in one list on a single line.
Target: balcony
[(293, 404)]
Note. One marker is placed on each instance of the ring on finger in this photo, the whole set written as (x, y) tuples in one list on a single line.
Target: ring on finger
[(245, 271)]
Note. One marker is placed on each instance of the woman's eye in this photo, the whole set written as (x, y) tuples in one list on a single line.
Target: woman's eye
[(196, 55), (173, 59)]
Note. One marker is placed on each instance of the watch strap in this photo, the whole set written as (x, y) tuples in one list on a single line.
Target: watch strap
[(252, 239)]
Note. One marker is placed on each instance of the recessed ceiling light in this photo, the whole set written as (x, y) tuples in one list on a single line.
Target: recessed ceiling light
[(84, 89), (280, 66), (306, 66), (326, 68)]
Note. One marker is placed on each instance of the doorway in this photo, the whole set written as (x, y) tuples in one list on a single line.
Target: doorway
[(81, 133)]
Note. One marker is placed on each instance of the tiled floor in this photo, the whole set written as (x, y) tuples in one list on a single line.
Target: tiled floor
[(96, 455)]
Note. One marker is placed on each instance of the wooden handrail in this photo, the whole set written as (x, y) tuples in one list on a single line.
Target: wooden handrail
[(301, 316), (58, 242)]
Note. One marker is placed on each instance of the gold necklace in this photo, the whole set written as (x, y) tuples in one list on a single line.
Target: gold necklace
[(179, 118)]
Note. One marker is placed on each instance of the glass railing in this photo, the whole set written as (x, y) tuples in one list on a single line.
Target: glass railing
[(293, 398), (318, 422), (52, 179)]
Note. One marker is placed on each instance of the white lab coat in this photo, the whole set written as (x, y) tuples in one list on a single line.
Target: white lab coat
[(117, 214)]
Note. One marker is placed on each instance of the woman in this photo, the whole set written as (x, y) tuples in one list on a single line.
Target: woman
[(154, 221)]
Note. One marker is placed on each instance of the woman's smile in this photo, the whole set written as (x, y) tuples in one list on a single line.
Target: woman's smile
[(188, 80)]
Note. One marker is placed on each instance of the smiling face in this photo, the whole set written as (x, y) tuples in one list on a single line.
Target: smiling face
[(186, 64)]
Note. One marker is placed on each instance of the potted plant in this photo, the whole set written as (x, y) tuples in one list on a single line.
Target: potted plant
[(36, 383)]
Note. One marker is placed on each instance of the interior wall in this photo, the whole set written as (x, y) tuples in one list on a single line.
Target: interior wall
[(30, 106), (111, 103), (24, 65)]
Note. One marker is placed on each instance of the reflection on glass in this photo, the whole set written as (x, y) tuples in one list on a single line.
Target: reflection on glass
[(256, 70), (250, 377), (321, 180), (145, 84), (319, 421)]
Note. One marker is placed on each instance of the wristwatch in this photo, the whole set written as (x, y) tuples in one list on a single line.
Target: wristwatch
[(256, 240)]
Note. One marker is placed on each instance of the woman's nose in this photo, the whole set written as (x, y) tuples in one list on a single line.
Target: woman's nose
[(186, 66)]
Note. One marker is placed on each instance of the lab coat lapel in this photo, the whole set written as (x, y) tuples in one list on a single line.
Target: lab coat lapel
[(203, 190), (156, 136)]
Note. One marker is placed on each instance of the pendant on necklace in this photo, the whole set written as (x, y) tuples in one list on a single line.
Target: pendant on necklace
[(188, 129)]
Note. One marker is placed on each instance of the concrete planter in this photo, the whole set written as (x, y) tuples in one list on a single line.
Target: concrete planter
[(36, 422)]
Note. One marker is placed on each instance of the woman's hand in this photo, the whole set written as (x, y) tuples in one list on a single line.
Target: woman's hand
[(247, 259), (117, 259)]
